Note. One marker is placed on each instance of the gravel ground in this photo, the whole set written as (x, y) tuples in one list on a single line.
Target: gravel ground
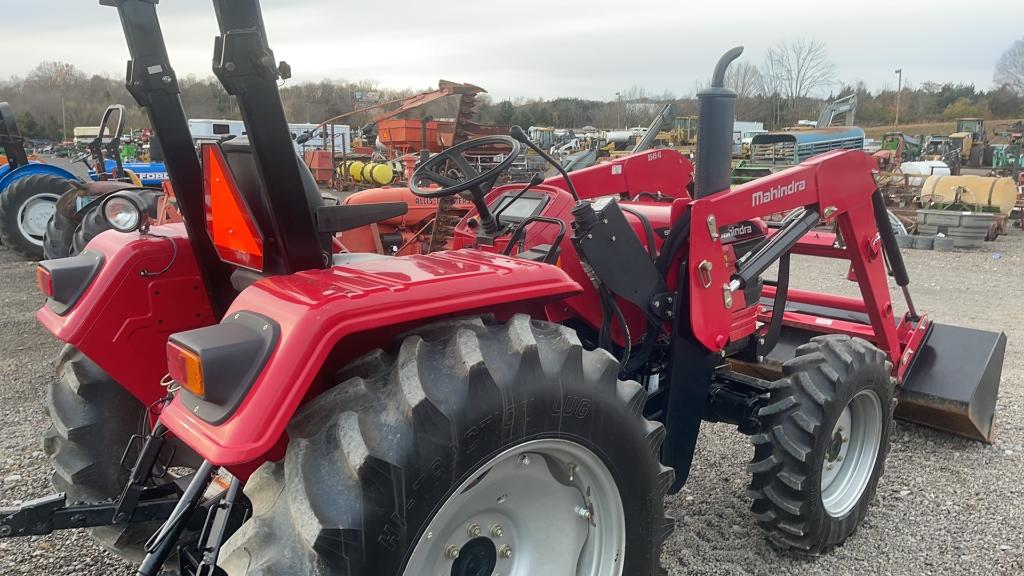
[(944, 506)]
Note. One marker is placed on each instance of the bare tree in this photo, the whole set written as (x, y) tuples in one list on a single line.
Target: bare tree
[(797, 68), (1010, 68), (744, 79), (771, 85)]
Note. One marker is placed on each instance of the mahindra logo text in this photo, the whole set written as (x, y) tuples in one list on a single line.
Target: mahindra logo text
[(780, 191)]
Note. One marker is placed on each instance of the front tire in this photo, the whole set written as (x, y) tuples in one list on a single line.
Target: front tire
[(384, 473), (824, 442)]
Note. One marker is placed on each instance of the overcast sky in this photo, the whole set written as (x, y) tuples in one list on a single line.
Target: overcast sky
[(543, 48)]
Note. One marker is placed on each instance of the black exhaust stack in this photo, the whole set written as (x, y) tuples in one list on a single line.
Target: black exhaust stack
[(717, 111)]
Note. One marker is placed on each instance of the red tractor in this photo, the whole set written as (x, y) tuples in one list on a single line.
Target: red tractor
[(520, 404)]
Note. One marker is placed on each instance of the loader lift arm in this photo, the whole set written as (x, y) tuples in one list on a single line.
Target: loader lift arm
[(652, 131), (845, 107), (152, 82)]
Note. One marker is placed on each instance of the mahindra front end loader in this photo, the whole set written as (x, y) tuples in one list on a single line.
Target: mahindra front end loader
[(237, 399)]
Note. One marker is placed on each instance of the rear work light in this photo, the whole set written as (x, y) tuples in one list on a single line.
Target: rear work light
[(186, 368), (122, 214), (229, 222)]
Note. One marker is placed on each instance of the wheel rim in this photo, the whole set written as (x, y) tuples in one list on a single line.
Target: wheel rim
[(851, 453), (33, 216), (545, 507)]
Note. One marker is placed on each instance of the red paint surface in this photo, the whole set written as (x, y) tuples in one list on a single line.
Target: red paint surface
[(317, 309), (123, 319)]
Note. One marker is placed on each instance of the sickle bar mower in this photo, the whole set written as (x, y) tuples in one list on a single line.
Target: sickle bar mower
[(526, 399)]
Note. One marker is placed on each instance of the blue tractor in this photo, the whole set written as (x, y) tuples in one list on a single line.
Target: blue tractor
[(44, 209), (148, 173), (77, 217), (29, 191)]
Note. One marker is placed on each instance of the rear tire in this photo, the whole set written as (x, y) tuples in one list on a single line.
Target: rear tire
[(92, 418), (375, 461), (814, 473), (23, 212)]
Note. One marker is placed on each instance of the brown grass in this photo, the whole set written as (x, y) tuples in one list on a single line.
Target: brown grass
[(930, 128)]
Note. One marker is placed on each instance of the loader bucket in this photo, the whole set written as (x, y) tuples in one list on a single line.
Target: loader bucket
[(953, 382)]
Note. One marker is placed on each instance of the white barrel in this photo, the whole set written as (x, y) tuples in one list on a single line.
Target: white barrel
[(924, 168), (618, 136)]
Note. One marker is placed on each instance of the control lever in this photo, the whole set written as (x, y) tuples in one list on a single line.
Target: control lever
[(535, 181), (517, 133)]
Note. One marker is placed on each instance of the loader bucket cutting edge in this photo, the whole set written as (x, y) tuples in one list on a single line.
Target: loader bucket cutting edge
[(953, 383)]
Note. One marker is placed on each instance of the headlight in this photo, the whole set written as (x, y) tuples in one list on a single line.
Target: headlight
[(122, 213)]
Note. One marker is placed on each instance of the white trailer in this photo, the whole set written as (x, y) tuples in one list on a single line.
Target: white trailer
[(742, 132), (202, 129), (321, 140), (205, 129)]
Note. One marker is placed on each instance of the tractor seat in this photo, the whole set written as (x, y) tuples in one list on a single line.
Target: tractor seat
[(327, 220), (238, 153)]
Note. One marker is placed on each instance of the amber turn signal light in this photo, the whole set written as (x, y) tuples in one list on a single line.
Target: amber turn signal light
[(45, 281), (186, 368)]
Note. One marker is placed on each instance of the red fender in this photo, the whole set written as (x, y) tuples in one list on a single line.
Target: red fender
[(147, 289), (318, 309)]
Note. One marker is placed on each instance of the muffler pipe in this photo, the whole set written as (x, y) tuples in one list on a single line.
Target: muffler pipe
[(717, 110)]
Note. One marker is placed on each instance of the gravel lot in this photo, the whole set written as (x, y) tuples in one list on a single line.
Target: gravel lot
[(944, 506)]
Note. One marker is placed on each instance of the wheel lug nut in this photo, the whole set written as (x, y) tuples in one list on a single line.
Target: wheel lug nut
[(496, 531), (505, 551), (473, 530), (451, 552), (584, 513)]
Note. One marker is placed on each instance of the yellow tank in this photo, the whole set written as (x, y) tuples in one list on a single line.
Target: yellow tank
[(355, 170), (982, 190), (376, 173)]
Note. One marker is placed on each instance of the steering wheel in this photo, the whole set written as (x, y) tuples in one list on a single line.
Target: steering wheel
[(454, 173)]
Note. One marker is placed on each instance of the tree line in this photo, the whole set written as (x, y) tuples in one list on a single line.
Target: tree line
[(793, 81)]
